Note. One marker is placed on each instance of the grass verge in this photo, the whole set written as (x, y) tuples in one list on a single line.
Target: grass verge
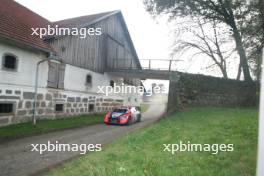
[(141, 153), (43, 126)]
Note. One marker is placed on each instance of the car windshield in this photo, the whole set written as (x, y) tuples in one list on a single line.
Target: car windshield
[(120, 110)]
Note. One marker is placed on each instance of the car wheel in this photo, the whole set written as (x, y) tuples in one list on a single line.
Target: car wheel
[(139, 118), (130, 121)]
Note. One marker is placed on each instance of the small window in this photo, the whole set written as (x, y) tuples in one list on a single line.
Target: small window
[(112, 83), (9, 62), (59, 107), (128, 81), (89, 79), (6, 108), (91, 107)]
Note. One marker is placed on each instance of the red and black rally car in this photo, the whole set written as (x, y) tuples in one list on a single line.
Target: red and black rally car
[(124, 115)]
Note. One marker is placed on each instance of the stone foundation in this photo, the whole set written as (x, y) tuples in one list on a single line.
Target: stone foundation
[(23, 103)]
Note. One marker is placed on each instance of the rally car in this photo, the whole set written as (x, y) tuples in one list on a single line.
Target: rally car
[(125, 115)]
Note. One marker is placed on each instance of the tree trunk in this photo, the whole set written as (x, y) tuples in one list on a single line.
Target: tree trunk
[(239, 72), (224, 73), (242, 55), (229, 16)]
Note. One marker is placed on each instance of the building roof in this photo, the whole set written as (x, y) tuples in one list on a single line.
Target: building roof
[(16, 22), (84, 20)]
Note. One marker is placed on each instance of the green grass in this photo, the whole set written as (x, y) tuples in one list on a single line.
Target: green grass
[(141, 153), (144, 107), (43, 126)]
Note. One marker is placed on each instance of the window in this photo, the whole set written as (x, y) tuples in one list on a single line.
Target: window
[(112, 83), (6, 108), (128, 81), (91, 107), (59, 107), (89, 79), (9, 62), (56, 75)]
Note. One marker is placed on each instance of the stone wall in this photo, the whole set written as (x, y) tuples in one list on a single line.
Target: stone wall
[(199, 90), (73, 104)]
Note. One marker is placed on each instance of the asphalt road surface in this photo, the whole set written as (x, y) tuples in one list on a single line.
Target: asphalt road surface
[(16, 157)]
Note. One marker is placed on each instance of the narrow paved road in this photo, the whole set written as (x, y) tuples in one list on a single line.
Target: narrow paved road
[(17, 159)]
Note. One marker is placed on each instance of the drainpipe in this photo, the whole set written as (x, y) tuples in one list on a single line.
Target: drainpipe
[(36, 87)]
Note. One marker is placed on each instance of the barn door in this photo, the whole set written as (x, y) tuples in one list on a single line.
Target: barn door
[(56, 75)]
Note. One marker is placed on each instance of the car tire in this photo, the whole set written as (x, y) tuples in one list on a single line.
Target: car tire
[(139, 118), (130, 121)]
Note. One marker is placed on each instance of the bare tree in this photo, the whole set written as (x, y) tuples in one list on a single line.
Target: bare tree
[(209, 45), (225, 11)]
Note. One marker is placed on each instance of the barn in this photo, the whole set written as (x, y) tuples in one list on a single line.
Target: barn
[(70, 67)]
